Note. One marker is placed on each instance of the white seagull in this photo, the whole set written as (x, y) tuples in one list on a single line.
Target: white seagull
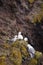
[(26, 39), (20, 37), (14, 39), (19, 33), (31, 50)]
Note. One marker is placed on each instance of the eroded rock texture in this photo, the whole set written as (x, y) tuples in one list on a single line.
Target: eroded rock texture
[(20, 15)]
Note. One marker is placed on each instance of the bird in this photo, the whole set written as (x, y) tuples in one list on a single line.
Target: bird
[(20, 37), (26, 39), (19, 33), (31, 50), (14, 39)]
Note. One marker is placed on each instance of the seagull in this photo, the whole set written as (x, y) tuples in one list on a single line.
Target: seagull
[(26, 39), (20, 37), (14, 39), (31, 50), (19, 33)]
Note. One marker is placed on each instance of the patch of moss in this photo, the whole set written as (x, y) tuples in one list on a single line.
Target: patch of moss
[(15, 56), (2, 63), (2, 60), (22, 46), (16, 53), (37, 18), (41, 5), (18, 43), (31, 1), (33, 62), (38, 55), (3, 57), (6, 45), (24, 51)]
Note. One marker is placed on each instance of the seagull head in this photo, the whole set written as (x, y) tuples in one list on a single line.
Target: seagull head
[(28, 45), (25, 39), (19, 33)]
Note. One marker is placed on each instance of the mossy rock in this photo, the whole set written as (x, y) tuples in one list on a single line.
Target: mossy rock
[(33, 62), (15, 56), (24, 51), (3, 57), (18, 43), (22, 45), (37, 18), (38, 55), (31, 1), (2, 63), (6, 45), (2, 60), (41, 5), (16, 53)]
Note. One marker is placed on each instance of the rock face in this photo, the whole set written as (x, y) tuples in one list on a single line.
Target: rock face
[(20, 15)]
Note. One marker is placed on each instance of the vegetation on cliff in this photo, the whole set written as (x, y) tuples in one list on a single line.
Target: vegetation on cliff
[(17, 53), (25, 16)]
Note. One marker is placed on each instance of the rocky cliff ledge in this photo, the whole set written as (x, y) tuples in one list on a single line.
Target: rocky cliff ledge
[(25, 16)]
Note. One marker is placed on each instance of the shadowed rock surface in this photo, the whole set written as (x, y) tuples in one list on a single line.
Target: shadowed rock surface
[(21, 15)]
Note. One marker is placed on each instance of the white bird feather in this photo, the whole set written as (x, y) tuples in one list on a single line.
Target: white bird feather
[(31, 50), (19, 33), (26, 39), (15, 38), (20, 37)]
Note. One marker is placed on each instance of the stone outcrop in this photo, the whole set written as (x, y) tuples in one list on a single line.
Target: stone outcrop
[(21, 15)]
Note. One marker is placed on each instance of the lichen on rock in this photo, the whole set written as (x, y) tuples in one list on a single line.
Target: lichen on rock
[(38, 55), (17, 53), (33, 62), (21, 44), (31, 1), (15, 56)]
